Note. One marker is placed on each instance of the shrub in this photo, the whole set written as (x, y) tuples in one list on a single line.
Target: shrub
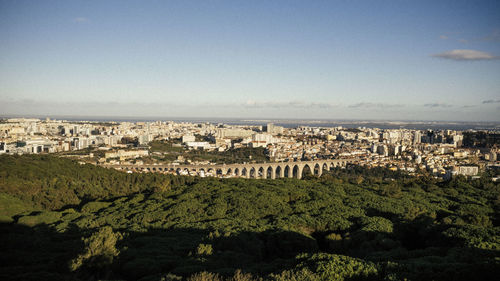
[(99, 251), (204, 250)]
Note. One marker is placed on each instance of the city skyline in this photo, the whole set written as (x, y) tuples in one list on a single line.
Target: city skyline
[(294, 59)]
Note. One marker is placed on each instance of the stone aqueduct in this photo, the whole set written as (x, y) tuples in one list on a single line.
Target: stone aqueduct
[(293, 169)]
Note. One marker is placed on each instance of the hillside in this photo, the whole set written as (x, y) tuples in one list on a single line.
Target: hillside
[(66, 221)]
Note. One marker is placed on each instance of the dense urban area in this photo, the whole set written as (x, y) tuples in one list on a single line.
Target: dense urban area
[(441, 153)]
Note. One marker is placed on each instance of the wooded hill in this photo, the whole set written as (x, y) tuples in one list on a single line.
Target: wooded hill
[(65, 221)]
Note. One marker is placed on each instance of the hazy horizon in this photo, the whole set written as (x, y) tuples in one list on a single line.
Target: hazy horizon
[(246, 121)]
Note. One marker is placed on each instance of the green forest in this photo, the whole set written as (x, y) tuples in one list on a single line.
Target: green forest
[(233, 155), (62, 220)]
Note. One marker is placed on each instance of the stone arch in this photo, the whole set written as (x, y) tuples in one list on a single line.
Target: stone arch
[(210, 172), (326, 167), (219, 172), (306, 171), (180, 171), (229, 172), (252, 173), (244, 172), (261, 172), (270, 173), (280, 172), (318, 169), (296, 172), (201, 172), (237, 172)]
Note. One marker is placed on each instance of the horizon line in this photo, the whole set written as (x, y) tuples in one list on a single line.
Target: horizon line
[(244, 119)]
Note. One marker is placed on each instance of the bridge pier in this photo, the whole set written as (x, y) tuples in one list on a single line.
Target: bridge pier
[(273, 173), (299, 171), (282, 172), (320, 170), (264, 172)]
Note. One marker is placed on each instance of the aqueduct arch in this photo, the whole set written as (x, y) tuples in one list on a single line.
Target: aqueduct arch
[(291, 169)]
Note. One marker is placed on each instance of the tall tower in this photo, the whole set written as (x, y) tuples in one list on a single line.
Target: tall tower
[(270, 128)]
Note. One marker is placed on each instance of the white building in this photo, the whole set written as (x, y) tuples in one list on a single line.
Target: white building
[(188, 138), (198, 144), (467, 170)]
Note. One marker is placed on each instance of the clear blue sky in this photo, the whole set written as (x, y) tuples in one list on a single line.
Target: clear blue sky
[(401, 60)]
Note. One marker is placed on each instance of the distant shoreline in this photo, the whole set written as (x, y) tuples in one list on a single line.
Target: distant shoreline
[(290, 123)]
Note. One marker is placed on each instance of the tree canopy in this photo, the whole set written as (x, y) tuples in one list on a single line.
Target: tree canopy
[(68, 221)]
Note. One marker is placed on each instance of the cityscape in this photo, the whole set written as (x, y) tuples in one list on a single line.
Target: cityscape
[(144, 145), (236, 140)]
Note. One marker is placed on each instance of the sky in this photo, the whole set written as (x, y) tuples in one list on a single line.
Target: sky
[(370, 60)]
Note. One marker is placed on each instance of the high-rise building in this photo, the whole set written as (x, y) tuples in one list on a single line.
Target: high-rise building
[(273, 129), (417, 138), (269, 128)]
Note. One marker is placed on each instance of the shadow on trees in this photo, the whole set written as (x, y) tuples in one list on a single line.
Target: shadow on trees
[(187, 251), (42, 253), (37, 253), (415, 251)]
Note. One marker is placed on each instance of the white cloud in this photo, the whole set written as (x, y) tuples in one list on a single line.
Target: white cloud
[(436, 104), (80, 20), (466, 55), (491, 101), (251, 109), (374, 105), (290, 104)]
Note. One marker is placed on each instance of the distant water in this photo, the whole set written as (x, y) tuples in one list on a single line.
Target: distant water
[(293, 123), (375, 124)]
